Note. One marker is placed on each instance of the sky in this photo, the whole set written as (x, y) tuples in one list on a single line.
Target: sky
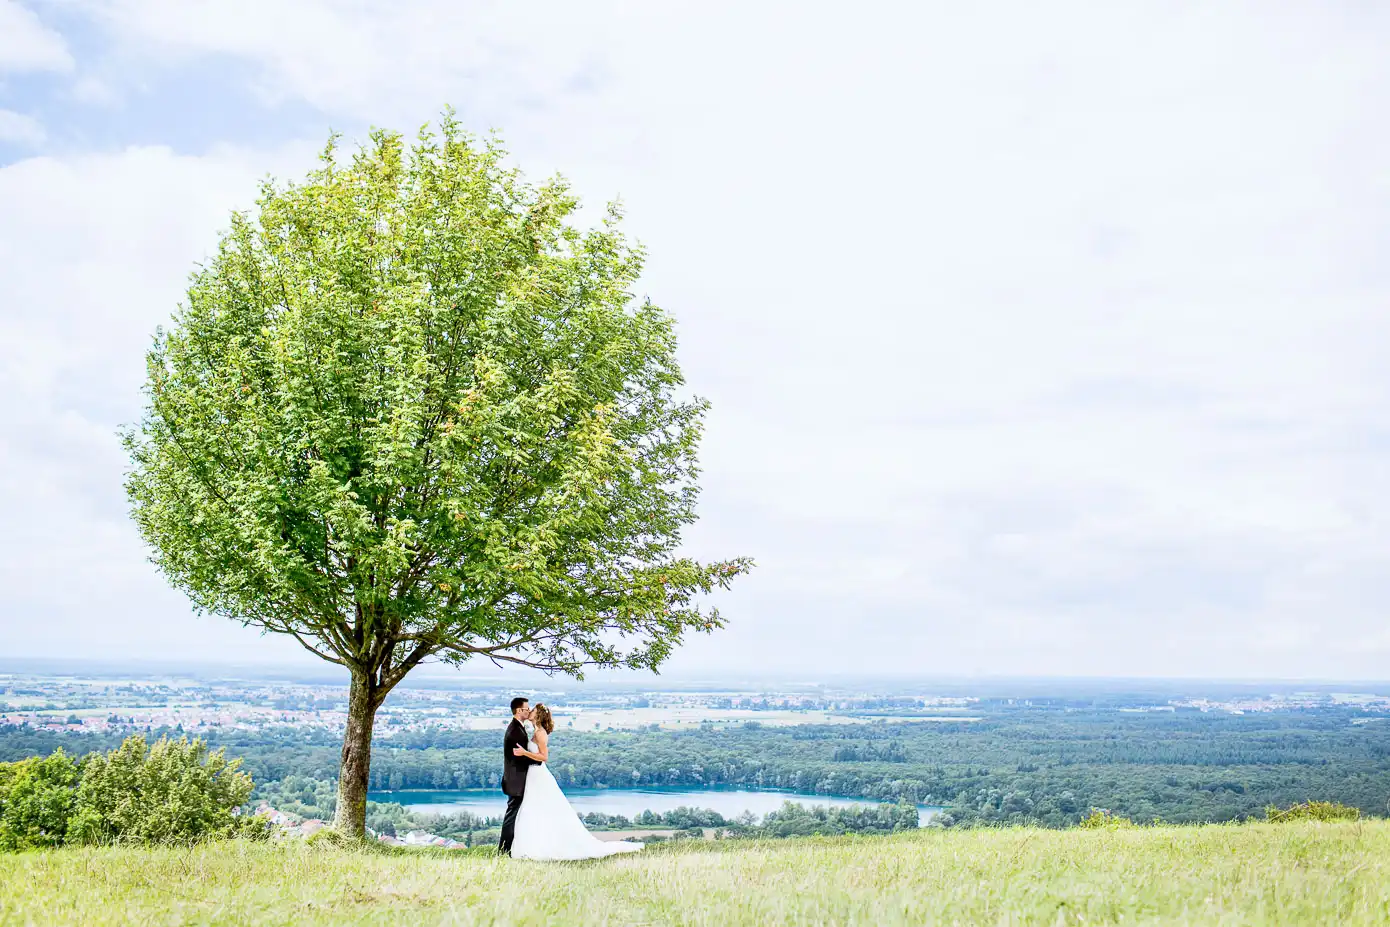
[(1042, 339)]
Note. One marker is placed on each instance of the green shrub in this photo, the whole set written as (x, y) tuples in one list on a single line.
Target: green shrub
[(1313, 811), (1102, 819), (174, 792), (36, 799)]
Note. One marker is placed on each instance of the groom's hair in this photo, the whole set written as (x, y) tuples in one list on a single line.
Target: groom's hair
[(518, 702)]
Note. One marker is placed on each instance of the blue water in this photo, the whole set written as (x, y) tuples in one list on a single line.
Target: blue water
[(627, 802)]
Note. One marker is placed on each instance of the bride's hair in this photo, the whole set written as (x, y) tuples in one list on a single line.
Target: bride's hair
[(541, 715)]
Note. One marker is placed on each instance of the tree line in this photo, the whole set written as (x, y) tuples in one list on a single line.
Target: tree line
[(1026, 766)]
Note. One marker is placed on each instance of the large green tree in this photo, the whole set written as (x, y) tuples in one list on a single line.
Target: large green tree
[(409, 411)]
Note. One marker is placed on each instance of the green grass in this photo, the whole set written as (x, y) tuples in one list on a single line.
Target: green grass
[(1300, 873)]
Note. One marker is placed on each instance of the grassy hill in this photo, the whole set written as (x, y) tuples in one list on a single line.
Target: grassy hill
[(1303, 873)]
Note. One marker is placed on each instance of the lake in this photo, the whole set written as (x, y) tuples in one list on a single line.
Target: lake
[(627, 802)]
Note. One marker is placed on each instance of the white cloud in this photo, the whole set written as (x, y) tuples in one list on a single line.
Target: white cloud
[(93, 90), (1058, 347), (374, 60), (94, 252), (26, 44), (17, 127)]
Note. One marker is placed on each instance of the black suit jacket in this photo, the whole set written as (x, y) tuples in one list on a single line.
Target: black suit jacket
[(514, 767)]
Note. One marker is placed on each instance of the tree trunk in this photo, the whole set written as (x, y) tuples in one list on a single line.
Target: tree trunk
[(350, 818)]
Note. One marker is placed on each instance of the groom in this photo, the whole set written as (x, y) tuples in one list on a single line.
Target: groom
[(514, 771)]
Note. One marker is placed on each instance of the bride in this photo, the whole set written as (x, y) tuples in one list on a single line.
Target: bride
[(546, 826)]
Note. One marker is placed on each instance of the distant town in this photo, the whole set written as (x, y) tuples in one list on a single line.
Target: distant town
[(115, 703)]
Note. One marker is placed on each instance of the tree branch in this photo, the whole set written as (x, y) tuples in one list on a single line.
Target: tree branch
[(548, 667), (314, 650), (438, 639), (421, 651)]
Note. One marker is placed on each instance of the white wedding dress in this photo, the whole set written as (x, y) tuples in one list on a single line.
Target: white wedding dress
[(547, 826)]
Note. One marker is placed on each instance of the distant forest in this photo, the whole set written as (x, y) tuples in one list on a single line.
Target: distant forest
[(1021, 765)]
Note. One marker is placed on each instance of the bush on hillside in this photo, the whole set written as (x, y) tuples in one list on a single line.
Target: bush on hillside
[(1103, 819), (36, 798), (1313, 811), (172, 792)]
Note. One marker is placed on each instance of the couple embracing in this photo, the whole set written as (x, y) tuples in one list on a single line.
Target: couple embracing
[(539, 823)]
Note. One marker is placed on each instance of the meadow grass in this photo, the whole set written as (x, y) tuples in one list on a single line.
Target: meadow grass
[(1300, 873)]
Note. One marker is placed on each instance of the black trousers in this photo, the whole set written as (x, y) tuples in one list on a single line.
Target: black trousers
[(509, 824)]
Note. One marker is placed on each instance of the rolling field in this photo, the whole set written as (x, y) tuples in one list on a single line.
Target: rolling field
[(1303, 873)]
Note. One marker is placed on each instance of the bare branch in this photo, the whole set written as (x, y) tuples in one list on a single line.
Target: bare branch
[(421, 651), (437, 636), (549, 667), (314, 650)]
